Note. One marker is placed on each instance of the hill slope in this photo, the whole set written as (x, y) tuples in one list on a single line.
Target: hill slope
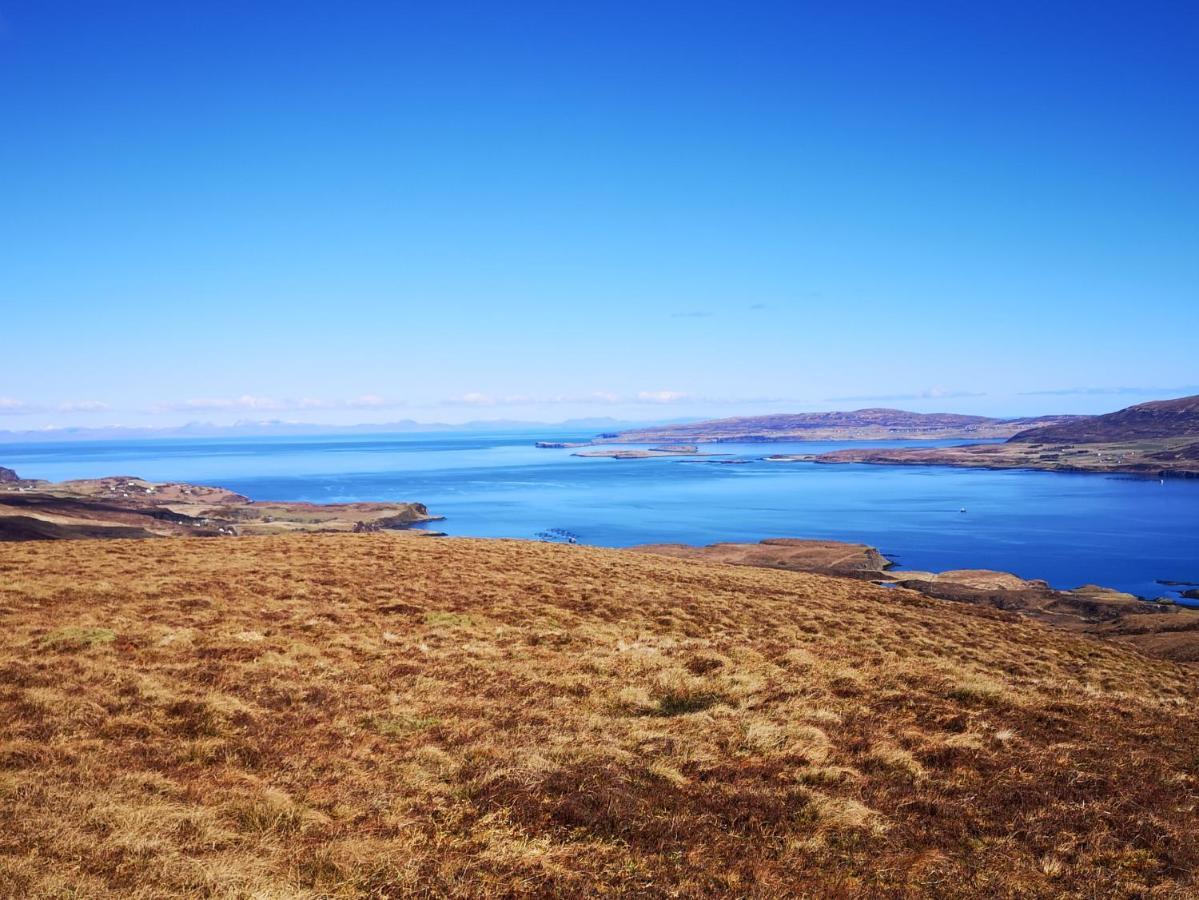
[(1159, 439), (381, 714), (862, 424), (1159, 419)]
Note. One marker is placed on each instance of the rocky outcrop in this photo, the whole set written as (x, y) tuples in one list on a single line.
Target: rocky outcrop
[(8, 476)]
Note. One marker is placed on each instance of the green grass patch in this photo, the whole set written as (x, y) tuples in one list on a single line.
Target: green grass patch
[(680, 704), (453, 620), (977, 689), (74, 638), (396, 726)]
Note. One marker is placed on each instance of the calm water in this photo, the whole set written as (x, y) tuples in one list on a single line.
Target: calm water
[(1068, 529)]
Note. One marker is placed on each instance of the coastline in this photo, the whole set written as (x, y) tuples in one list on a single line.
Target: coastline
[(1149, 474), (1151, 459), (127, 507), (1165, 626), (1158, 439)]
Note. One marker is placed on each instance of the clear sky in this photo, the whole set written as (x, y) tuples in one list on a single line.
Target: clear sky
[(361, 211)]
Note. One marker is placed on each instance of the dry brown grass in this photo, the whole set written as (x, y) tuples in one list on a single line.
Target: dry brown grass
[(390, 715)]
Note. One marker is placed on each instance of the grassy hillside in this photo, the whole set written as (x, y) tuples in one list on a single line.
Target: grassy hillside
[(1157, 420), (859, 425), (380, 714)]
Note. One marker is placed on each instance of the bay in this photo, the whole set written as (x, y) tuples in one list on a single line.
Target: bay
[(1069, 529)]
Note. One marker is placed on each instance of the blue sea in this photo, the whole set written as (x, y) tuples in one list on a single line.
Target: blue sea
[(1125, 532)]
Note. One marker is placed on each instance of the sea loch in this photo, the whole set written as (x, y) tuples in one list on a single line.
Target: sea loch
[(1124, 532)]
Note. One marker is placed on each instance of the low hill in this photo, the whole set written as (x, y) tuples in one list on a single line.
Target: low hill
[(387, 715), (1158, 439), (862, 424), (1146, 421)]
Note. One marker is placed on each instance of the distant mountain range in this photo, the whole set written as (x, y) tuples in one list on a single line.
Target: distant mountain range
[(270, 428), (1160, 419)]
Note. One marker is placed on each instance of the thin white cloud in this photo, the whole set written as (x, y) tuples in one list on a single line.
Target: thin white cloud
[(83, 406), (935, 393), (662, 396), (256, 403), (204, 404), (481, 398), (596, 398), (478, 399), (474, 398), (1182, 390), (10, 406)]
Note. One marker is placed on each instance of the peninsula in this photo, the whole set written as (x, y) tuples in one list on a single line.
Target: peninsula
[(127, 507), (859, 425), (648, 453), (1158, 439)]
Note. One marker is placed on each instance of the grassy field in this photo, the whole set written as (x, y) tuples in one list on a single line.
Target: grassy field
[(392, 715)]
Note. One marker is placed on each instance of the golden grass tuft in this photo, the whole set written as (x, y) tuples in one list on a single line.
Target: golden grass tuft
[(389, 715)]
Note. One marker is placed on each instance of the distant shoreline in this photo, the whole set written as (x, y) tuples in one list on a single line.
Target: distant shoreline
[(1158, 439), (1176, 458)]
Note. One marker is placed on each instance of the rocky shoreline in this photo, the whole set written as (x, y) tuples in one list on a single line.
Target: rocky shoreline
[(1176, 458), (647, 453)]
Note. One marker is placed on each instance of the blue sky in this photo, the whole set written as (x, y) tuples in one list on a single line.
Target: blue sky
[(366, 211)]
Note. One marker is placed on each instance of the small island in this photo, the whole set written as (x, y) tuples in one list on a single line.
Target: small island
[(647, 453)]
